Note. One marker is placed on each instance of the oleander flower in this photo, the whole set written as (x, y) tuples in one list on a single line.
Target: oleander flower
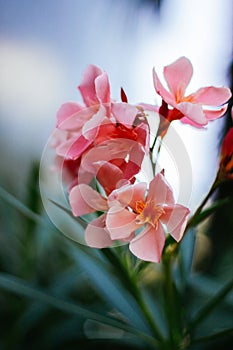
[(85, 120), (119, 146), (85, 200), (191, 109), (114, 143), (81, 129), (155, 213), (226, 155)]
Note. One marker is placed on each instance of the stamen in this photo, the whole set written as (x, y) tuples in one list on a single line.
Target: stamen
[(148, 212)]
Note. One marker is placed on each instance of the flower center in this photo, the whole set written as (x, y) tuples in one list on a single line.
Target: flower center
[(148, 212)]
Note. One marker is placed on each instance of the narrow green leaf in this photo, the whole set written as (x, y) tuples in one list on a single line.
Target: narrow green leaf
[(108, 286), (215, 336), (213, 302), (197, 219), (18, 286), (205, 286), (69, 212), (22, 208)]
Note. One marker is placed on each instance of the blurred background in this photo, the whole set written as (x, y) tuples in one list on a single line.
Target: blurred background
[(44, 48)]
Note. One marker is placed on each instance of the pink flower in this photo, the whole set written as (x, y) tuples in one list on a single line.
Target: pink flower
[(84, 200), (226, 155), (95, 91), (189, 109), (82, 128), (131, 208), (114, 143), (119, 146)]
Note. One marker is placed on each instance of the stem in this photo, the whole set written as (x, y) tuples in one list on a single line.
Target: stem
[(175, 331), (131, 283), (147, 313)]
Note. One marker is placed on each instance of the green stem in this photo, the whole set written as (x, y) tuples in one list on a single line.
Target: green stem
[(131, 283), (147, 313), (171, 306)]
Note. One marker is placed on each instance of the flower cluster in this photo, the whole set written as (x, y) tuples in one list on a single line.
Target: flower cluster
[(101, 146)]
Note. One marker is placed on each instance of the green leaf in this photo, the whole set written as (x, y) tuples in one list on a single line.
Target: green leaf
[(22, 208), (197, 219), (204, 312), (107, 286), (20, 287), (215, 336)]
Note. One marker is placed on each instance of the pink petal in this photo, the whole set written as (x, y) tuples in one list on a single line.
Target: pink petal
[(193, 112), (76, 147), (87, 86), (143, 136), (124, 113), (148, 245), (84, 200), (175, 218), (212, 96), (166, 95), (76, 121), (108, 176), (66, 110), (120, 223), (149, 107), (102, 88), (188, 121), (178, 75), (90, 128), (63, 147), (128, 195), (107, 151), (214, 114), (96, 234), (160, 191)]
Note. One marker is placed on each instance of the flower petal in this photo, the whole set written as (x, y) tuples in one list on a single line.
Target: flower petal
[(90, 128), (87, 86), (108, 176), (175, 218), (166, 95), (120, 222), (102, 88), (124, 113), (160, 191), (148, 245), (96, 234), (84, 200), (193, 112), (109, 151), (66, 110), (74, 147), (128, 195), (178, 75), (211, 95), (214, 114), (227, 145), (76, 120)]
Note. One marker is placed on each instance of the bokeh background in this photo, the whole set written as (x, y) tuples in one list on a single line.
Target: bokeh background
[(44, 48)]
